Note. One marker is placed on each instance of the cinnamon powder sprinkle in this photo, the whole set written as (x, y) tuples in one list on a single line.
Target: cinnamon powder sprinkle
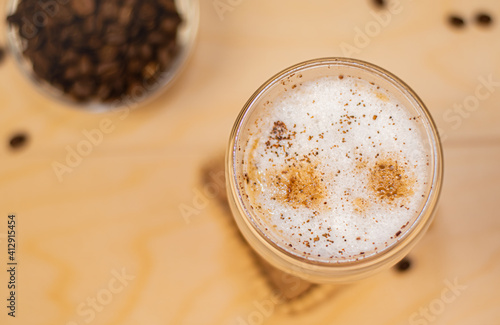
[(389, 180), (300, 184)]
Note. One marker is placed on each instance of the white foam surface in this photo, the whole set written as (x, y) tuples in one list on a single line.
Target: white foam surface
[(337, 133)]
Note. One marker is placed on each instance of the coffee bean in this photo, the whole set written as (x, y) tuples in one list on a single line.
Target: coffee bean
[(108, 53), (169, 26), (83, 88), (75, 38), (136, 32), (164, 57), (83, 8), (156, 38), (135, 66), (71, 73), (456, 21), (146, 52), (103, 92), (484, 19), (94, 42), (125, 15), (68, 57), (133, 51), (147, 11), (379, 3), (41, 65), (35, 44), (118, 86), (28, 31), (404, 265), (64, 15), (50, 50), (115, 35), (167, 5), (85, 65), (108, 70), (109, 11), (18, 140), (150, 70), (89, 25), (172, 45), (135, 89), (65, 36)]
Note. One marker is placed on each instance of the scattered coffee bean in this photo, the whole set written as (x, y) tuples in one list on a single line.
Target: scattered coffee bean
[(484, 19), (18, 140), (379, 3), (2, 54), (456, 21), (98, 50), (404, 265)]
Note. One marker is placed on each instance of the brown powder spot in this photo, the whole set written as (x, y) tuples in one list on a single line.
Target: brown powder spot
[(300, 184), (280, 132), (361, 164), (382, 97), (375, 117), (389, 180), (361, 204)]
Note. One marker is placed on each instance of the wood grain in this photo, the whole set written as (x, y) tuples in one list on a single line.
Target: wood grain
[(120, 209)]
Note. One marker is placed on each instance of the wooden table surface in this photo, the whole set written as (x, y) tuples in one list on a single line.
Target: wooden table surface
[(137, 233)]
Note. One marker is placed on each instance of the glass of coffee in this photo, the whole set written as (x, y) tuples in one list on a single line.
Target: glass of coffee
[(334, 169)]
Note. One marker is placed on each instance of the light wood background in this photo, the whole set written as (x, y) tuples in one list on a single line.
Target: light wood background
[(119, 210)]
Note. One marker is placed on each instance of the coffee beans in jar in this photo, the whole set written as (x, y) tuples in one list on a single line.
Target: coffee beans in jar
[(98, 50)]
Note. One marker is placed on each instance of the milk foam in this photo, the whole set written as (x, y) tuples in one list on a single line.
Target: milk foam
[(337, 169)]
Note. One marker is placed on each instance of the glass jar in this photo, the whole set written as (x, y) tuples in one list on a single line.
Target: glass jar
[(144, 92)]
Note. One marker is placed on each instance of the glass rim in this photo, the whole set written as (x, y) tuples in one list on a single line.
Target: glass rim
[(420, 223)]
